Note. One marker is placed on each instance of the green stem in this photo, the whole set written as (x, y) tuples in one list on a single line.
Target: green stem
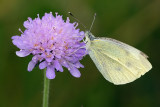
[(46, 90)]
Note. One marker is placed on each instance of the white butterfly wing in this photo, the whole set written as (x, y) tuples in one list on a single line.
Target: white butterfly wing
[(118, 62)]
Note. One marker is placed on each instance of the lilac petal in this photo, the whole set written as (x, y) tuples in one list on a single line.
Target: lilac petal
[(58, 66), (35, 58), (79, 55), (49, 59), (78, 65), (27, 24), (31, 65), (58, 56), (74, 71), (64, 63), (18, 43), (81, 51), (15, 37), (43, 65), (22, 53), (71, 59), (81, 33), (50, 74)]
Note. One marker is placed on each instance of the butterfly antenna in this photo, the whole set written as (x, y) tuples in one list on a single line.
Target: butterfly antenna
[(77, 19), (92, 22)]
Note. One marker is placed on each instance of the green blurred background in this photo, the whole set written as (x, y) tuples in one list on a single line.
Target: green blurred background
[(135, 22)]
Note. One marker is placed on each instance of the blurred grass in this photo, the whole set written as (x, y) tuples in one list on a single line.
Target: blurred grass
[(136, 22)]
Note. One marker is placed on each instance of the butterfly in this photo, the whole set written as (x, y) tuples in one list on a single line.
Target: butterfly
[(119, 63)]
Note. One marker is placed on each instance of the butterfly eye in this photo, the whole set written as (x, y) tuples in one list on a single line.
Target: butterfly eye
[(91, 37)]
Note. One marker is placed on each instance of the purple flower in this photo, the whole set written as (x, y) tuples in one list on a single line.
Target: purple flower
[(53, 43)]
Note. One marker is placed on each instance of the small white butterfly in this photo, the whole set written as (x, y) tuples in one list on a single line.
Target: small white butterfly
[(118, 62)]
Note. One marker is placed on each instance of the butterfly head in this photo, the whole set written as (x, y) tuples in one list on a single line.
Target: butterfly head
[(88, 38)]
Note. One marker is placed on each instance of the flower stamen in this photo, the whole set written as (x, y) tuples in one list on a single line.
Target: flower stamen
[(52, 38), (60, 31), (51, 46), (35, 45), (41, 48)]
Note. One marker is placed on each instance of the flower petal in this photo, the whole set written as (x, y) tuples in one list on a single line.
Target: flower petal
[(49, 59), (78, 65), (27, 24), (50, 73), (18, 42), (22, 53), (58, 66), (15, 37), (74, 71), (64, 63), (31, 65), (43, 65)]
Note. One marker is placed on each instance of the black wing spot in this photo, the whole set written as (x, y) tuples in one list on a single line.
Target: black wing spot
[(143, 54), (127, 53), (128, 64)]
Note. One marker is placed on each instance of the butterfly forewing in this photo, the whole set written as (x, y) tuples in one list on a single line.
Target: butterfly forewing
[(118, 62)]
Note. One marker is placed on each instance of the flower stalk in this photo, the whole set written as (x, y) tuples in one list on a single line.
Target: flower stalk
[(46, 90)]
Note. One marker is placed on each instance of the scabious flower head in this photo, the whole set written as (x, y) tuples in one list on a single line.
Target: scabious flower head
[(53, 43)]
